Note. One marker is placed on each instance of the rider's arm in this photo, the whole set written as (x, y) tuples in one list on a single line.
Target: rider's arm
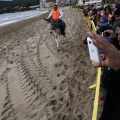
[(50, 14), (61, 14)]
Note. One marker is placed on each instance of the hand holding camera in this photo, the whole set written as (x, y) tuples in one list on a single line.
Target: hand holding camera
[(106, 34), (93, 51), (109, 33)]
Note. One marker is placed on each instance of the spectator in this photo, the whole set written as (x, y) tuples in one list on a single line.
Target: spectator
[(117, 19), (103, 25), (103, 21), (99, 13), (108, 12)]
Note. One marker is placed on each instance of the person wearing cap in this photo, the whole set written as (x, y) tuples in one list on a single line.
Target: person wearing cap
[(57, 15)]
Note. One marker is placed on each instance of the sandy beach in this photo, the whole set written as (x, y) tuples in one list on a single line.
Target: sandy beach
[(39, 83)]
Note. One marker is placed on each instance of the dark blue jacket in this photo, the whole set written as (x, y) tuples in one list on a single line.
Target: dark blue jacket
[(104, 23)]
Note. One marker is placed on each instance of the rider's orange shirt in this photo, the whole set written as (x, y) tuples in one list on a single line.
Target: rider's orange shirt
[(55, 14)]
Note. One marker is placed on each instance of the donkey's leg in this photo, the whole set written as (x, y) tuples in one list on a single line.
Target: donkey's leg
[(61, 39), (53, 40), (57, 42)]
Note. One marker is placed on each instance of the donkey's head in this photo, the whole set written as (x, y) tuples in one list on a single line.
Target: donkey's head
[(49, 21), (53, 25)]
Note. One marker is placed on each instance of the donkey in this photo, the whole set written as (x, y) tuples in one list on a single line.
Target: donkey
[(55, 30)]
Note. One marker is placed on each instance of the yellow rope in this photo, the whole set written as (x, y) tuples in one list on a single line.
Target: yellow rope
[(95, 108)]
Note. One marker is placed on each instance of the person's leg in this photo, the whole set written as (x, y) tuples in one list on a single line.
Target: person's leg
[(62, 26), (106, 115)]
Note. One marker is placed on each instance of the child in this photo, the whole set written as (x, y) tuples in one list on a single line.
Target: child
[(103, 22)]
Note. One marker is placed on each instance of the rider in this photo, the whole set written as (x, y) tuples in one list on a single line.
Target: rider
[(57, 15)]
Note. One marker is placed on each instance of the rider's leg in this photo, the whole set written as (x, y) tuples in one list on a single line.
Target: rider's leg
[(62, 26)]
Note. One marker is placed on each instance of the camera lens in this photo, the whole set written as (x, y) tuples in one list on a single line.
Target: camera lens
[(89, 42)]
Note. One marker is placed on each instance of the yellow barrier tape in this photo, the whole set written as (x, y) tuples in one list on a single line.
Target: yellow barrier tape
[(95, 108), (78, 9), (93, 86), (93, 27)]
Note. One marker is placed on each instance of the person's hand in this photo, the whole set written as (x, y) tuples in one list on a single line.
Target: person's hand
[(111, 52), (112, 34), (97, 27), (102, 58)]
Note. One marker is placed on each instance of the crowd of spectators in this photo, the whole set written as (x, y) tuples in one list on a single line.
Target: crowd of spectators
[(107, 38)]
